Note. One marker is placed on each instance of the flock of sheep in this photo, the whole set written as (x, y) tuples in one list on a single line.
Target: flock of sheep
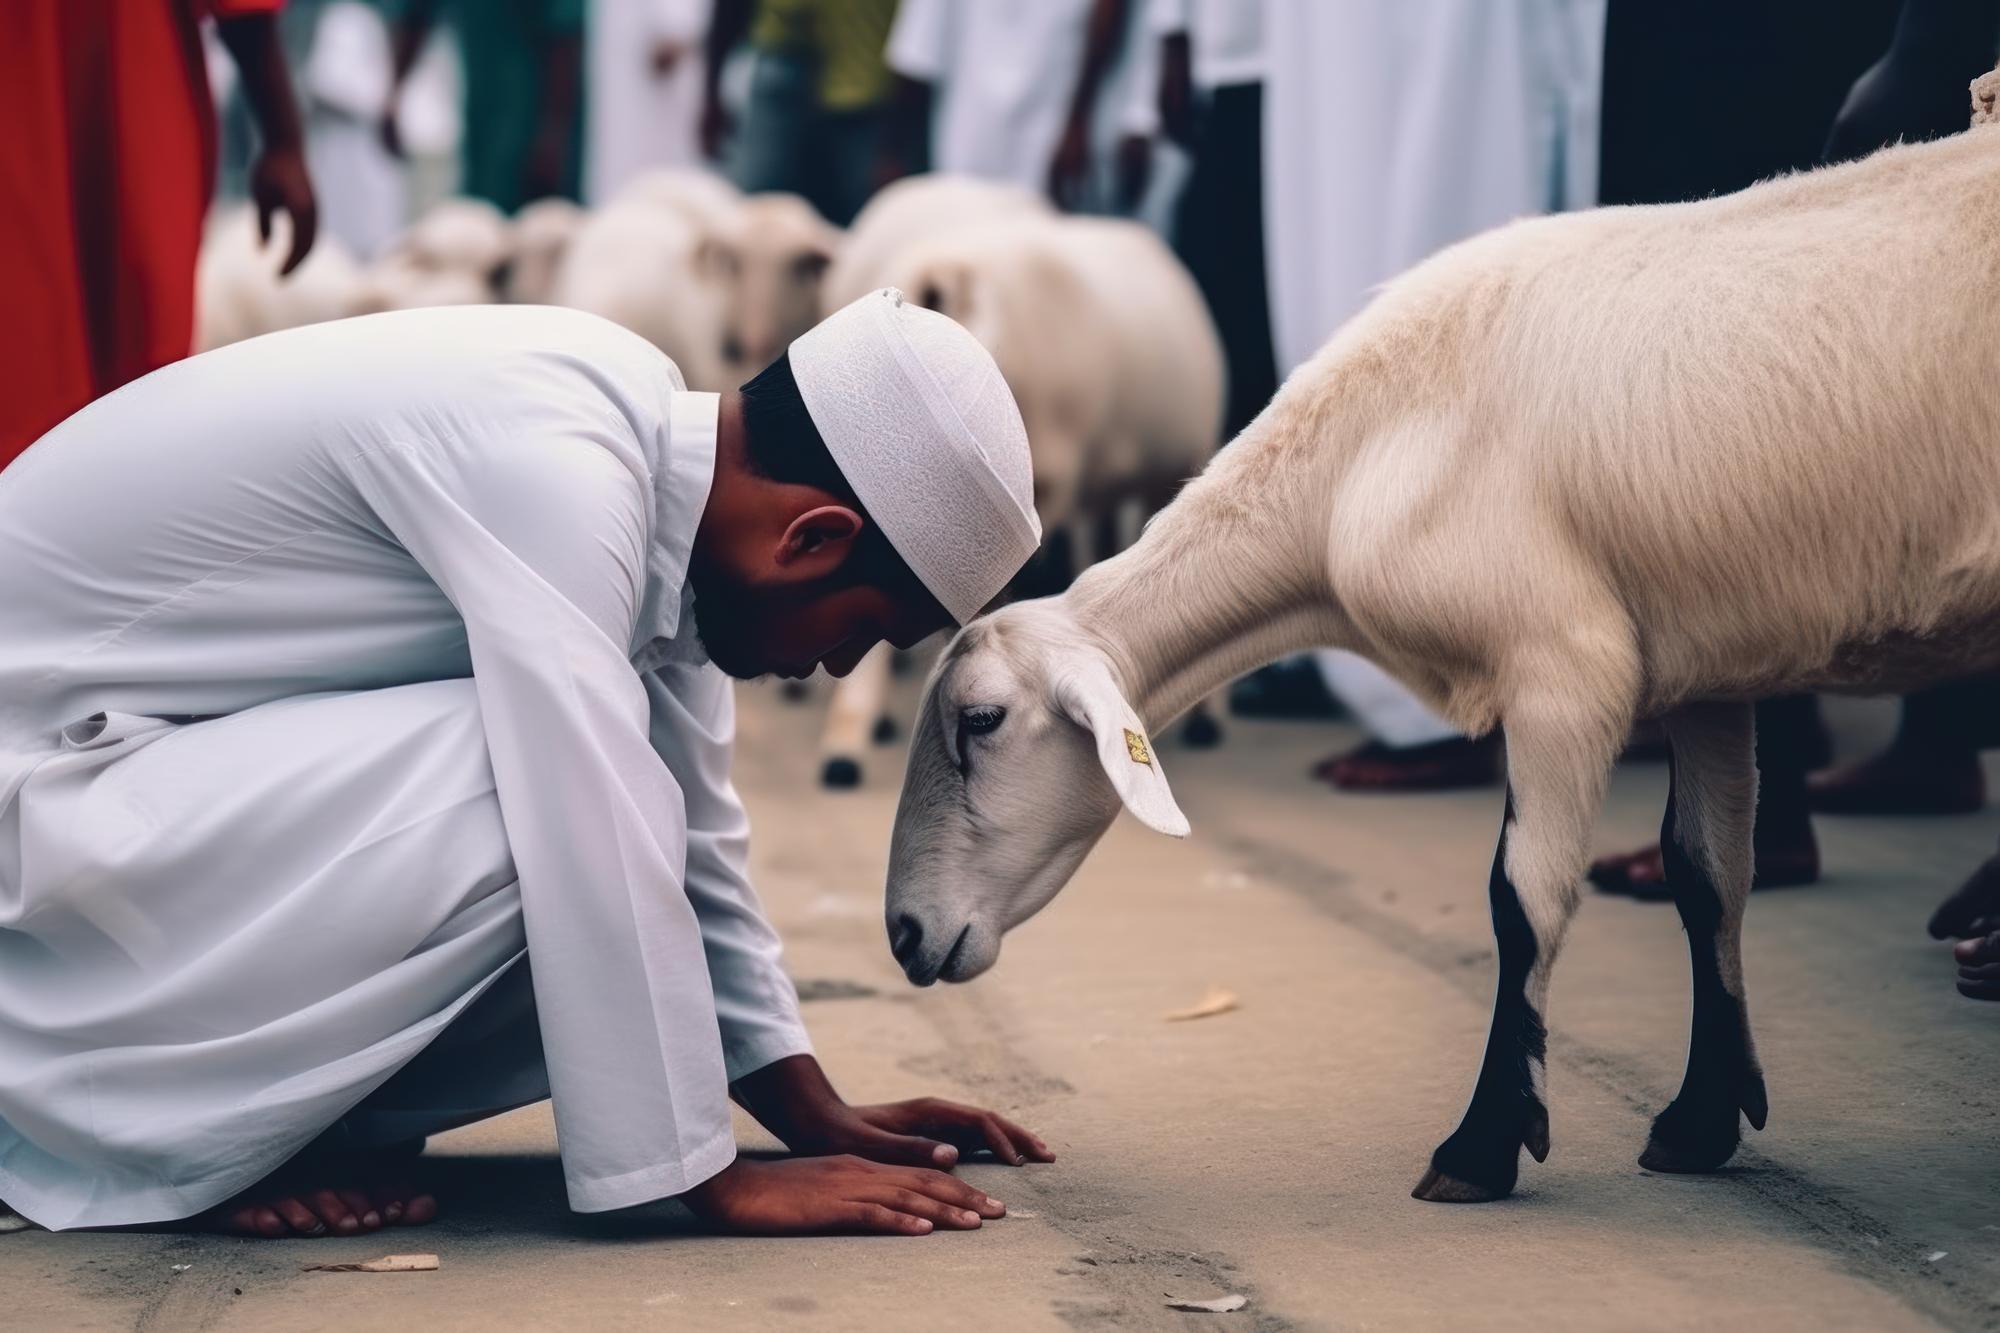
[(1098, 329)]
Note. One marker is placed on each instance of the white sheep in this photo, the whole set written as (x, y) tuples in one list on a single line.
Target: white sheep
[(634, 261), (1585, 469), (542, 234), (704, 198), (455, 254), (909, 213), (768, 256), (239, 292)]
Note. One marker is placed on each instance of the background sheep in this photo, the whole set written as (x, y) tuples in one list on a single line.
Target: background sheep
[(634, 261), (1638, 462), (768, 256), (240, 294), (542, 235)]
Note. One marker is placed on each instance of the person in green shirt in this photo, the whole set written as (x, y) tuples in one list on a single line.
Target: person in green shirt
[(523, 73)]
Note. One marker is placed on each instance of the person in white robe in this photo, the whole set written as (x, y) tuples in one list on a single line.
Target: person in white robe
[(644, 78), (1035, 92), (361, 681), (1393, 128)]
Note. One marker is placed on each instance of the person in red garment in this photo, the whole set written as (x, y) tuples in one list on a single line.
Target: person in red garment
[(106, 173)]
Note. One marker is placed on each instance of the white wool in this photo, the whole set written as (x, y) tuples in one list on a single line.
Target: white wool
[(635, 262), (923, 427), (767, 257)]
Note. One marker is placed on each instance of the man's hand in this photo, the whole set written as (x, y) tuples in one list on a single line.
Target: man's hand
[(820, 1194), (792, 1099), (927, 1130), (278, 181)]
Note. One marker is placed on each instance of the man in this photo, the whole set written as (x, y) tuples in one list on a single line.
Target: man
[(818, 99), (1211, 101), (643, 84), (361, 773), (109, 164), (1032, 92), (521, 62)]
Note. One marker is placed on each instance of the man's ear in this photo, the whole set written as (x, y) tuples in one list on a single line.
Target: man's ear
[(1091, 699), (817, 541)]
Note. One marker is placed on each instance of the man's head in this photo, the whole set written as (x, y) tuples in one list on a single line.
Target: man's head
[(873, 483)]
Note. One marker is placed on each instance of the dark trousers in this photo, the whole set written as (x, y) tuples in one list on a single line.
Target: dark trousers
[(1219, 233)]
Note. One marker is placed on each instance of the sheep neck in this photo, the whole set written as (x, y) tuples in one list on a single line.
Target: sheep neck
[(1229, 577)]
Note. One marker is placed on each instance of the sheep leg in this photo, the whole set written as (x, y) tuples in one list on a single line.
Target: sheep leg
[(1705, 841), (851, 718), (1556, 774)]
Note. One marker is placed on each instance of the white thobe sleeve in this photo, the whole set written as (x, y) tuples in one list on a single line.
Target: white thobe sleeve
[(920, 42), (694, 729), (540, 544)]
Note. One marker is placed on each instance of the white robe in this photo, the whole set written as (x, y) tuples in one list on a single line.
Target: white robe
[(1003, 73), (637, 119), (338, 669), (1393, 128)]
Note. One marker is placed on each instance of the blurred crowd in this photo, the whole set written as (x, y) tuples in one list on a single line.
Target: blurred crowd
[(1293, 153)]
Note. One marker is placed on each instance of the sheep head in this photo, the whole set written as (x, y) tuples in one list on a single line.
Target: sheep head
[(1022, 753)]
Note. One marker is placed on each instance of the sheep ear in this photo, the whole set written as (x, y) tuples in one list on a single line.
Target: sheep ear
[(1092, 700)]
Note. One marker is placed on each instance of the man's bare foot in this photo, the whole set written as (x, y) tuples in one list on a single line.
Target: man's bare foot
[(1447, 765), (1902, 780), (279, 1208), (1972, 917)]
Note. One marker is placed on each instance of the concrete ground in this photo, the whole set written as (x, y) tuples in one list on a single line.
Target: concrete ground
[(1268, 1151)]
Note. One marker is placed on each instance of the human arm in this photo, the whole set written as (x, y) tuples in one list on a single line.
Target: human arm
[(1917, 90), (727, 27), (279, 180), (1069, 167), (675, 31), (412, 28)]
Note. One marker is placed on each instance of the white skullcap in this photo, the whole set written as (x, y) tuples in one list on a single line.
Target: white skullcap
[(925, 430)]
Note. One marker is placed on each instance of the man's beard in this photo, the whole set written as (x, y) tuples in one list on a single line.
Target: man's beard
[(726, 615)]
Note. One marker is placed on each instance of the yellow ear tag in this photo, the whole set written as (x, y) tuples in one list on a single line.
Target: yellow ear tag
[(1135, 745)]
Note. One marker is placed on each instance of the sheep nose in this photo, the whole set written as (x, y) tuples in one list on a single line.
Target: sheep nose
[(905, 937)]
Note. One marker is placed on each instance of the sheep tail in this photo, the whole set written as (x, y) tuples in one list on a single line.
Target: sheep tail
[(1986, 98)]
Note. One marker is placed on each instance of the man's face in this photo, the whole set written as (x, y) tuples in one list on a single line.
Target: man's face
[(752, 631)]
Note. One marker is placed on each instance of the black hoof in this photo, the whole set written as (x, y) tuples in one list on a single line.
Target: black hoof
[(793, 691), (1691, 1140), (885, 730), (1437, 1187), (1482, 1158), (1201, 732), (840, 773)]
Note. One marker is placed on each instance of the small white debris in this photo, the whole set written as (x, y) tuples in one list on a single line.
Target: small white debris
[(1217, 1001), (1935, 1255), (182, 1268), (388, 1263), (1214, 1305), (1022, 1212)]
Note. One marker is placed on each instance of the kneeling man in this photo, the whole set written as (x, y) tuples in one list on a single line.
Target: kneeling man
[(364, 760)]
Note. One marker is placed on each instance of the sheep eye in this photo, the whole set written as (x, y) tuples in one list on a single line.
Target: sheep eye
[(979, 721)]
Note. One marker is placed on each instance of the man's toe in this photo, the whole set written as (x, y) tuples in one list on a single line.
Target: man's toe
[(1978, 951), (419, 1210)]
